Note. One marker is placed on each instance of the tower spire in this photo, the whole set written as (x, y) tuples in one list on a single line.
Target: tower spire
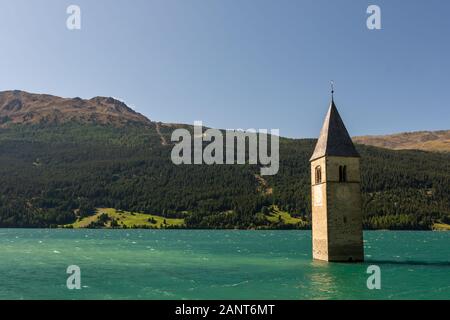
[(334, 139)]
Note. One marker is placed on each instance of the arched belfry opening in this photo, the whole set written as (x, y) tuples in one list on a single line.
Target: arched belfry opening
[(318, 177), (342, 173)]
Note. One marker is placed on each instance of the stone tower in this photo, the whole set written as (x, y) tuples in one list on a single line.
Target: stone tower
[(336, 194)]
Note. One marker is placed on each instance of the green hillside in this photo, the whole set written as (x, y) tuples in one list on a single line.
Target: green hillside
[(58, 175), (112, 218)]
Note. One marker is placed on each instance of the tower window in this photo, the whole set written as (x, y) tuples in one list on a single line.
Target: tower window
[(318, 175), (342, 173)]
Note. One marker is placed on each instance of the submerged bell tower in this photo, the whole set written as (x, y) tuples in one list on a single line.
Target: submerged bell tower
[(336, 194)]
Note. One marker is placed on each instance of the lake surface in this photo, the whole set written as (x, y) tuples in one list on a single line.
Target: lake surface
[(185, 264)]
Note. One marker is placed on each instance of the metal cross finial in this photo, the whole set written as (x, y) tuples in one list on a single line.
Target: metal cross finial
[(332, 89)]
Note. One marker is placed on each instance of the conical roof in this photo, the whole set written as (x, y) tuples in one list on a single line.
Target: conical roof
[(334, 139)]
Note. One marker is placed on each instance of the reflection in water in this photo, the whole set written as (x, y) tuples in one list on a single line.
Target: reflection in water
[(322, 283), (324, 280)]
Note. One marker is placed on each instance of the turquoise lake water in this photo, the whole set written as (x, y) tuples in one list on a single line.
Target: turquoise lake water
[(185, 264)]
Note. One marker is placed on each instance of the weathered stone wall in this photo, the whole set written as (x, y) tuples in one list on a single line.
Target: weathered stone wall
[(337, 222), (319, 212)]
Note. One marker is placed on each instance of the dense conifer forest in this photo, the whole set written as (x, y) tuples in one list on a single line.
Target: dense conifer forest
[(51, 175)]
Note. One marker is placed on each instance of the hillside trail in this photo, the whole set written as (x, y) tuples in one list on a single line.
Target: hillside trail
[(158, 130)]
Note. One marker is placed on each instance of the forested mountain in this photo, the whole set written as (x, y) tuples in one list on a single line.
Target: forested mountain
[(57, 169)]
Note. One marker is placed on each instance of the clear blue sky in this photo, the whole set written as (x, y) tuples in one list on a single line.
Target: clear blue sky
[(239, 63)]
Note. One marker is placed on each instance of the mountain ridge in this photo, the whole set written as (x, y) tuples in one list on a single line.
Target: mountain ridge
[(21, 107), (436, 141)]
